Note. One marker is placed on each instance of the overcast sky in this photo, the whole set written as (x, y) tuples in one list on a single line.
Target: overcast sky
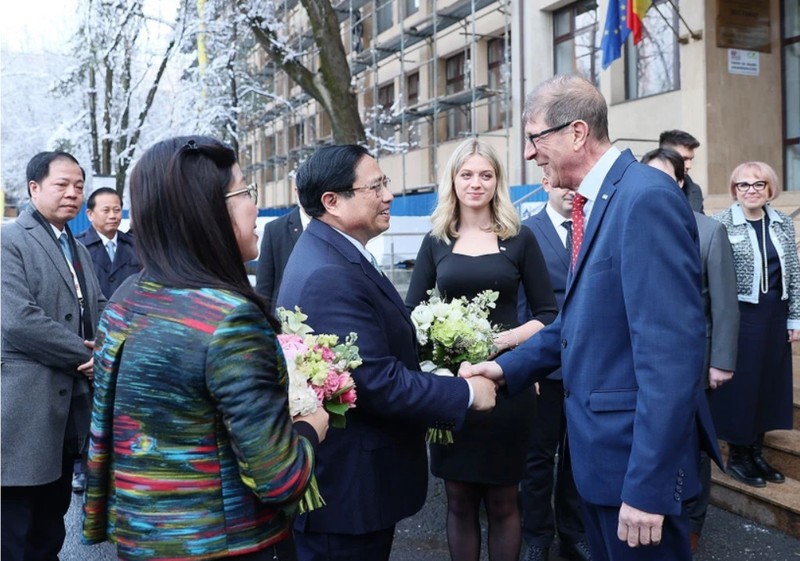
[(38, 25)]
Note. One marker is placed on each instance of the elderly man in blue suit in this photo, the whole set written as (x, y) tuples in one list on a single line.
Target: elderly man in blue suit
[(113, 252), (630, 335), (374, 472)]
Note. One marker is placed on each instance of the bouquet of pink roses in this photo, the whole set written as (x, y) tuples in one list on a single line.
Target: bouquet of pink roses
[(319, 369)]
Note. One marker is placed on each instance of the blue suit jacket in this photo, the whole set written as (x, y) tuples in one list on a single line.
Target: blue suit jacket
[(374, 472), (126, 263), (555, 255), (631, 338)]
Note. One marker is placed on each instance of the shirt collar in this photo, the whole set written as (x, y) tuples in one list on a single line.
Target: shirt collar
[(555, 217), (590, 186)]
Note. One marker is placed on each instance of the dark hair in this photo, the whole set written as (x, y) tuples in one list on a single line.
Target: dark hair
[(677, 138), (101, 191), (330, 168), (184, 234), (38, 167), (668, 155)]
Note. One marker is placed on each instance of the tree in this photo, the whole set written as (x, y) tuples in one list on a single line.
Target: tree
[(122, 71), (330, 85)]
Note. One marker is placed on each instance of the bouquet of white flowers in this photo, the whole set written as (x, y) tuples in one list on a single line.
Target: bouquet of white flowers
[(452, 332)]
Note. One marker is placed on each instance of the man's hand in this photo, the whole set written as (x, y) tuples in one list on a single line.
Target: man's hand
[(484, 393), (638, 527), (717, 377), (489, 370), (87, 368), (794, 335)]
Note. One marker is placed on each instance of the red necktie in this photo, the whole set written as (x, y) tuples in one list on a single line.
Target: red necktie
[(577, 226)]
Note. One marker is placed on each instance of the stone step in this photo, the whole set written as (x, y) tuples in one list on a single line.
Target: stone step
[(777, 506)]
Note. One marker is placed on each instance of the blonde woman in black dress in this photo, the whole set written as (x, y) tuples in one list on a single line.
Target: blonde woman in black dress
[(477, 244)]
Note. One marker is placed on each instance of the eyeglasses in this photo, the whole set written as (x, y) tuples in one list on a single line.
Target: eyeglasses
[(251, 190), (744, 186), (532, 138), (376, 188)]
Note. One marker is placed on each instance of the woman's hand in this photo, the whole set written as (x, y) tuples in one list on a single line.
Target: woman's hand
[(318, 419), (506, 340)]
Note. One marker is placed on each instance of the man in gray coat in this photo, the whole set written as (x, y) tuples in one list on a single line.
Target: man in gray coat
[(721, 310), (50, 306)]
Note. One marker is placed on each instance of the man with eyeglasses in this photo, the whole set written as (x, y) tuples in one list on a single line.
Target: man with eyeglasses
[(630, 336), (685, 145), (373, 473)]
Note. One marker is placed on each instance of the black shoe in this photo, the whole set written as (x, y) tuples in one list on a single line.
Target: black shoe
[(576, 551), (768, 472), (536, 553), (78, 483), (742, 468)]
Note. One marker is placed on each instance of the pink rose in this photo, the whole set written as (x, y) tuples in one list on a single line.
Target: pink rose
[(349, 397), (292, 345)]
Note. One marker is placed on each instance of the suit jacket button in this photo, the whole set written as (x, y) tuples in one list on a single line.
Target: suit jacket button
[(566, 392), (677, 496), (563, 343), (68, 317), (62, 392), (681, 472)]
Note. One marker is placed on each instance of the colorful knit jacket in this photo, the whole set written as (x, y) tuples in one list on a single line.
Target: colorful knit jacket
[(193, 454)]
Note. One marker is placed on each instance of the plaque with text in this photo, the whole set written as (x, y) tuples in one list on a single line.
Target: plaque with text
[(743, 24)]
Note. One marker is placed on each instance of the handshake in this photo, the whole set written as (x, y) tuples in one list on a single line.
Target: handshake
[(484, 378)]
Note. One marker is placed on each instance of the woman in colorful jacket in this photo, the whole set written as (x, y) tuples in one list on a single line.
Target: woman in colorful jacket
[(193, 454), (759, 396)]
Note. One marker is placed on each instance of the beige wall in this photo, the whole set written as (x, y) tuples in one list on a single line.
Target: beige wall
[(744, 112)]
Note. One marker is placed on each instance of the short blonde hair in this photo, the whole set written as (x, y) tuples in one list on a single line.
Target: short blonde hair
[(505, 219), (762, 171)]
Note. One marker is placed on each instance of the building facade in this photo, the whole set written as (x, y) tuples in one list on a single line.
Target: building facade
[(428, 73)]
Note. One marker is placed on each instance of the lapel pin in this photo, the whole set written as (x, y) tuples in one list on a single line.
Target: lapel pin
[(605, 196)]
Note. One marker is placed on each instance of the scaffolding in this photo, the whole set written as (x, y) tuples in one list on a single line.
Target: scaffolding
[(444, 43)]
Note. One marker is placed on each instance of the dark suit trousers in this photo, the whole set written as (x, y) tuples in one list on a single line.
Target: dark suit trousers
[(698, 507), (314, 546), (548, 437), (601, 532), (33, 518)]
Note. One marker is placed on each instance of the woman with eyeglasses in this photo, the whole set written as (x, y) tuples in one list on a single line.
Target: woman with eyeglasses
[(193, 454), (759, 396), (477, 243)]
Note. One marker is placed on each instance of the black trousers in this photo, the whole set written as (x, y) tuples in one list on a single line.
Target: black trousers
[(374, 546), (33, 518), (542, 512), (697, 508)]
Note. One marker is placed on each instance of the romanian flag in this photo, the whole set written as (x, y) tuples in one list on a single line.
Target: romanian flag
[(635, 11)]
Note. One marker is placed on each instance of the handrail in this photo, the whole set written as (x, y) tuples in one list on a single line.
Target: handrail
[(527, 196)]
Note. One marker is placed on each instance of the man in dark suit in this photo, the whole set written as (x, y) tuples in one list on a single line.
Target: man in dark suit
[(113, 252), (685, 145), (374, 472), (550, 502), (630, 335), (721, 309), (50, 306), (277, 244)]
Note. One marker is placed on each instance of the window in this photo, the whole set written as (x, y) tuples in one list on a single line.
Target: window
[(653, 66), (412, 6), (499, 74), (576, 41), (383, 9), (791, 92), (412, 89), (456, 82), (386, 97)]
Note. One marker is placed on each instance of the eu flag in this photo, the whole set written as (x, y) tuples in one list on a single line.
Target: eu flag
[(615, 32)]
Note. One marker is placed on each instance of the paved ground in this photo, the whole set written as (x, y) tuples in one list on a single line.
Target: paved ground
[(422, 538)]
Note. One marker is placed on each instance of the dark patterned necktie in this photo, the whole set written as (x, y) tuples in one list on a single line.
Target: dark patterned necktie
[(577, 226), (567, 225)]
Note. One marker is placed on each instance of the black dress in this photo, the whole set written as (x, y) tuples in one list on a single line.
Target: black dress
[(758, 397), (491, 447)]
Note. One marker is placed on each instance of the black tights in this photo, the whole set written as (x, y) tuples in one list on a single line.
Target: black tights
[(464, 526)]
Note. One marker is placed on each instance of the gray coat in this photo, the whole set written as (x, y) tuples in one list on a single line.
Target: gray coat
[(41, 349), (719, 295)]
